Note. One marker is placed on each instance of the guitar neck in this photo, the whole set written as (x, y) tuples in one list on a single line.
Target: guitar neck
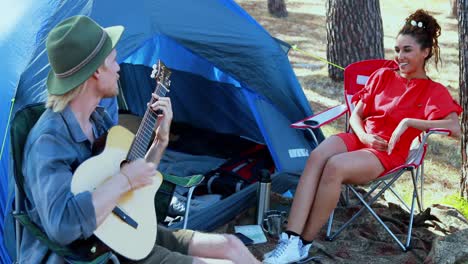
[(143, 136)]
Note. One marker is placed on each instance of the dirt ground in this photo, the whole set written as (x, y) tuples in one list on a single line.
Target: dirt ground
[(441, 235)]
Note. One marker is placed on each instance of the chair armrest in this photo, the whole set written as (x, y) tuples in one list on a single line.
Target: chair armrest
[(416, 156), (321, 118), (186, 182), (440, 131), (104, 258), (26, 222), (65, 252), (436, 131)]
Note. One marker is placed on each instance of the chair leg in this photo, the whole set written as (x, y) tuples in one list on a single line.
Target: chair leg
[(373, 188), (329, 226), (367, 206), (379, 220), (343, 227), (18, 228), (399, 198), (187, 206), (421, 179), (114, 259), (414, 176), (415, 197), (313, 136)]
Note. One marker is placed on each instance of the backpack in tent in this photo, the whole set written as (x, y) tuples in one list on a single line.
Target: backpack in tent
[(239, 171)]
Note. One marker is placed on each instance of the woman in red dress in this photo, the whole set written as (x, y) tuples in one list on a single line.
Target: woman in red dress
[(393, 108)]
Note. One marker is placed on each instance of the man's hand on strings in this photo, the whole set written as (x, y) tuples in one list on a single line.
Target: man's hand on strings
[(163, 124)]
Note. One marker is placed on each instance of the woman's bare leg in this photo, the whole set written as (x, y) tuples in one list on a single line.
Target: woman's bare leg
[(306, 188), (357, 167)]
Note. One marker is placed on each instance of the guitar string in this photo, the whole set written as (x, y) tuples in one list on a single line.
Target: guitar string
[(141, 137), (145, 132)]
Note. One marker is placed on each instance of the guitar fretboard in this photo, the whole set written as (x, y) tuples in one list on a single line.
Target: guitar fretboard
[(143, 136)]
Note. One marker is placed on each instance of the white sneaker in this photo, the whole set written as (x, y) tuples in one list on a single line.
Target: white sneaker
[(305, 250), (288, 250), (283, 236), (177, 206), (268, 254)]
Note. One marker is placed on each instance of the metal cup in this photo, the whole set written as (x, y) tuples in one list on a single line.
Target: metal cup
[(273, 222)]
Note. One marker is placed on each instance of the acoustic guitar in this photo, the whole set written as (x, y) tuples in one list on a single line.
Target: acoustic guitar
[(130, 229)]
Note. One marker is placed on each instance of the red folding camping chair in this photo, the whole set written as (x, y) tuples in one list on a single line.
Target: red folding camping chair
[(355, 77)]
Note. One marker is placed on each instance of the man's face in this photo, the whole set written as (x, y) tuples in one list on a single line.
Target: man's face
[(109, 76)]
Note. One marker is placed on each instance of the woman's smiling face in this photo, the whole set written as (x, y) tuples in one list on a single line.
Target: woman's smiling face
[(410, 57)]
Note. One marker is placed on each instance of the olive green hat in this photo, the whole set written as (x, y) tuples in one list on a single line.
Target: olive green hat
[(76, 47)]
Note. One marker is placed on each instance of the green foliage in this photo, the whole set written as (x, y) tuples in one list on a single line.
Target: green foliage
[(461, 204)]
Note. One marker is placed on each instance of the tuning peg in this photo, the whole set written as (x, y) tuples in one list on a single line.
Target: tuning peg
[(155, 66), (153, 75)]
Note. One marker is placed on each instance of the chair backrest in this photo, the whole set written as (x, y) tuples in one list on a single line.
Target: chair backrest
[(355, 77), (357, 74), (22, 123)]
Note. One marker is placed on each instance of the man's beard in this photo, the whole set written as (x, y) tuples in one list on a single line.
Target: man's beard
[(112, 92)]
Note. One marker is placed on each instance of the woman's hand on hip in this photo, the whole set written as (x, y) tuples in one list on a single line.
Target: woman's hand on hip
[(374, 141)]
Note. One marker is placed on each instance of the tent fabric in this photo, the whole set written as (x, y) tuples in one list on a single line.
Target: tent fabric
[(16, 47), (223, 111), (211, 43)]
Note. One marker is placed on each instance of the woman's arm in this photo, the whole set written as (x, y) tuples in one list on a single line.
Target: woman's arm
[(356, 123), (450, 122), (356, 120)]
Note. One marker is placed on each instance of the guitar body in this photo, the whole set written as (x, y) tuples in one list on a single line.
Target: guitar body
[(132, 243)]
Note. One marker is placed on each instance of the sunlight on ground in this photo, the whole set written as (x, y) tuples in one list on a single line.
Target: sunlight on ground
[(321, 99)]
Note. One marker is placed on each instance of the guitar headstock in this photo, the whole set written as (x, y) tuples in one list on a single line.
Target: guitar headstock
[(161, 74)]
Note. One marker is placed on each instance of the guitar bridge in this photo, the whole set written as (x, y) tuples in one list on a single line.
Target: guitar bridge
[(125, 217)]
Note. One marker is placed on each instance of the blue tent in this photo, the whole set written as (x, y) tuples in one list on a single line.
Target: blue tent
[(245, 73)]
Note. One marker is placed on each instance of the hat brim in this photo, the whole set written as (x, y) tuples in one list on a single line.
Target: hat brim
[(114, 33), (60, 86)]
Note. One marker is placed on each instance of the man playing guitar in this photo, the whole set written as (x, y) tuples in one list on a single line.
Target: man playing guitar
[(84, 70)]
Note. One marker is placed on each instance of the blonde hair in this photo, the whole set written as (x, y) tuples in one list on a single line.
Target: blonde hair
[(59, 102)]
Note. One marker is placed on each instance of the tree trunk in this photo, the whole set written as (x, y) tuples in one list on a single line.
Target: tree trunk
[(354, 33), (277, 8), (463, 42), (453, 8)]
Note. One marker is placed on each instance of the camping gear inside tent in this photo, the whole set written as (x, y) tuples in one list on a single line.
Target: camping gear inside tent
[(229, 77)]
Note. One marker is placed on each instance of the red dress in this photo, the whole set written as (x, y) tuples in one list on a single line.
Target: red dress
[(388, 98)]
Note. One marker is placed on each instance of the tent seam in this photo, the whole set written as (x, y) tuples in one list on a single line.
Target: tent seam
[(7, 126)]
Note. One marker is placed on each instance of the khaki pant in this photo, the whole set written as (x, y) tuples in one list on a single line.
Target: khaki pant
[(171, 248)]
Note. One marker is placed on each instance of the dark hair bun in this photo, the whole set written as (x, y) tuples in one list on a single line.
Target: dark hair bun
[(429, 22), (425, 29)]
